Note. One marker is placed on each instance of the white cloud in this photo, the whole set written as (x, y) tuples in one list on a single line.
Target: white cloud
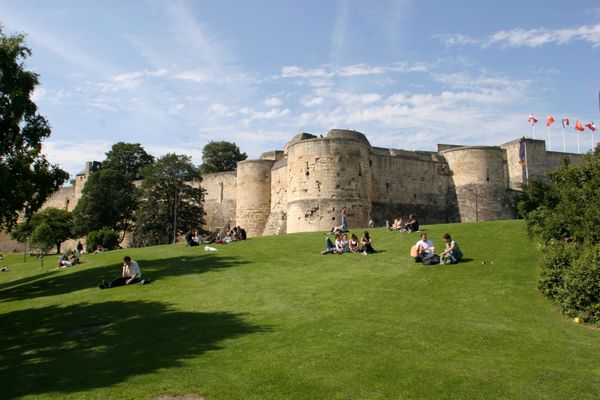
[(293, 71), (72, 155), (456, 39), (195, 76), (528, 37), (273, 102), (311, 101)]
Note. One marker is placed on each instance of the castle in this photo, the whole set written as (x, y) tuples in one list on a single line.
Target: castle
[(304, 186)]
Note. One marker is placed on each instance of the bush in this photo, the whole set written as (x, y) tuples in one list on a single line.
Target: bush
[(105, 237), (557, 258), (579, 295)]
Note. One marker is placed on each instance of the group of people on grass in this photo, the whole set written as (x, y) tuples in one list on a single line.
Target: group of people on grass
[(343, 244), (424, 251), (411, 225)]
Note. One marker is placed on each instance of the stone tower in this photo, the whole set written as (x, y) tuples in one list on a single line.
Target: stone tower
[(326, 174)]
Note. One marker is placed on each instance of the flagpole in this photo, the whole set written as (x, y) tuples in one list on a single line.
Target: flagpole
[(526, 165), (578, 151), (549, 144), (592, 141), (533, 130), (563, 133)]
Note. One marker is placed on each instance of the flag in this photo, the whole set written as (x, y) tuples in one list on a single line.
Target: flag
[(591, 126), (550, 120), (522, 153), (565, 122), (578, 126), (532, 119)]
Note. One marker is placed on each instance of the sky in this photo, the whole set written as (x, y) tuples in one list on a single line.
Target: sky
[(174, 75)]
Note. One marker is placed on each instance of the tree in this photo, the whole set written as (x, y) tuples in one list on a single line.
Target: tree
[(172, 200), (108, 200), (565, 213), (220, 156), (42, 239), (128, 159), (26, 177), (59, 221)]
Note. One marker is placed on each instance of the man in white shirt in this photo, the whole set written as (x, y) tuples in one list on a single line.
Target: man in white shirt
[(425, 248), (130, 274)]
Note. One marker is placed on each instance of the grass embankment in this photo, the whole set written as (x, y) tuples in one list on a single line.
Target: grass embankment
[(271, 318)]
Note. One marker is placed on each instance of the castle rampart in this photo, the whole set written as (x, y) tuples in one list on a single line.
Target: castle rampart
[(304, 186)]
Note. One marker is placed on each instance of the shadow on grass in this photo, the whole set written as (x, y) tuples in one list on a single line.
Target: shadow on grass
[(80, 277), (87, 346)]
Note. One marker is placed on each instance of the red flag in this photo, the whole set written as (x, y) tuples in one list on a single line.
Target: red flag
[(591, 126), (532, 119), (550, 120), (565, 122), (578, 126)]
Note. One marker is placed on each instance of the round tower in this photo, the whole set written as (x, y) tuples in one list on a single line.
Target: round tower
[(253, 199), (325, 175), (480, 177)]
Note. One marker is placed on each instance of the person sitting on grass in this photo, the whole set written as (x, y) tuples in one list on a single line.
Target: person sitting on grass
[(367, 243), (332, 248), (65, 261), (452, 254), (130, 274), (412, 225), (398, 224), (343, 227), (353, 244), (424, 248)]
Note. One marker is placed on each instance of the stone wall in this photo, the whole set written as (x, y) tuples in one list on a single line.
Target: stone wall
[(277, 221), (304, 186), (219, 199), (407, 182), (325, 175), (481, 181)]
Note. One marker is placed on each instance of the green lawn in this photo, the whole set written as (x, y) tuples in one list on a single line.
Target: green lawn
[(271, 318)]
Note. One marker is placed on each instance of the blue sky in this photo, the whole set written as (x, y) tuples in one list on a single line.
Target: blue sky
[(174, 75)]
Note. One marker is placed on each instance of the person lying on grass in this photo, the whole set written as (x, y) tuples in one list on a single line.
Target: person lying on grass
[(130, 274)]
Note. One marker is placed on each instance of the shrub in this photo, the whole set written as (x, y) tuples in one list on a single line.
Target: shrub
[(105, 237), (557, 258), (579, 295)]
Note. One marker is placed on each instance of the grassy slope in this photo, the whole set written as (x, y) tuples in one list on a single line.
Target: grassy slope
[(271, 318)]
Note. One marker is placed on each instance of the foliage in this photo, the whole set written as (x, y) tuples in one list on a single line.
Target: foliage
[(172, 200), (42, 239), (108, 199), (59, 221), (557, 258), (26, 178), (220, 156), (105, 237), (128, 159), (579, 295), (567, 208)]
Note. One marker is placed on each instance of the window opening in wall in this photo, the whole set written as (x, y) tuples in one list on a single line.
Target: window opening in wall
[(359, 170), (220, 192)]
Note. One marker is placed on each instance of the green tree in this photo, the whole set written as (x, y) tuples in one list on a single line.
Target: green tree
[(128, 159), (565, 214), (172, 200), (220, 156), (42, 239), (26, 177), (108, 200), (59, 221)]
